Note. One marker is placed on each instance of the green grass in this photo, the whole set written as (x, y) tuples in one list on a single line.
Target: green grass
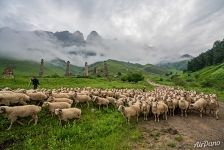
[(104, 129), (179, 138), (23, 82), (173, 145)]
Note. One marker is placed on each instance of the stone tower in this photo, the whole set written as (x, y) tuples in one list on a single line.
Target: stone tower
[(41, 72), (105, 69), (86, 71), (68, 69), (95, 70)]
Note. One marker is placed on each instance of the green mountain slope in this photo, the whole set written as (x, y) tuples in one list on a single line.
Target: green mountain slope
[(212, 76), (180, 65), (115, 66), (29, 68)]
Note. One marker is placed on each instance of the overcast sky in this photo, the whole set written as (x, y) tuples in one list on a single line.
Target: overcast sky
[(166, 26)]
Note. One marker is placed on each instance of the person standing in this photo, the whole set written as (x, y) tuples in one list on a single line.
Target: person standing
[(35, 82)]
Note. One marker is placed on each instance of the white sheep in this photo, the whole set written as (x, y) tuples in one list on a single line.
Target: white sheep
[(56, 105), (37, 96), (53, 99), (8, 98), (183, 105), (159, 108), (12, 113), (128, 112), (81, 99), (101, 101), (145, 108), (67, 114), (200, 105), (214, 107)]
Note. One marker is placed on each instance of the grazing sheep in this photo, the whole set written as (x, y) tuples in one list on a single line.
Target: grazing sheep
[(52, 99), (101, 101), (119, 102), (67, 114), (81, 99), (159, 108), (61, 95), (183, 105), (37, 96), (128, 112), (56, 105), (12, 113), (200, 105), (8, 98)]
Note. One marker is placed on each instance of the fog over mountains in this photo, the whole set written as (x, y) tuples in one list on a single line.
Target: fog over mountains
[(64, 45)]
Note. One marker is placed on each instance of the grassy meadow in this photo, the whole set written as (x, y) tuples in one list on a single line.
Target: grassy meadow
[(97, 129)]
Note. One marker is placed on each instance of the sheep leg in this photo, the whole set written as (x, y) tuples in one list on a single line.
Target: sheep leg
[(20, 122), (36, 119), (12, 121), (201, 112), (216, 113), (166, 115), (99, 107), (173, 111), (87, 104), (155, 117), (185, 112), (181, 112), (158, 117)]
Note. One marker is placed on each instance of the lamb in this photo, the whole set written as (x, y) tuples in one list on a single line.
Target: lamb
[(81, 99), (52, 106), (200, 105), (101, 101), (183, 105), (53, 99), (159, 108), (13, 113), (214, 107), (13, 98), (128, 112), (69, 113)]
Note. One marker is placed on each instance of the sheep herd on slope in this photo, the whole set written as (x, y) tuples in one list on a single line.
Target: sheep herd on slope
[(130, 102)]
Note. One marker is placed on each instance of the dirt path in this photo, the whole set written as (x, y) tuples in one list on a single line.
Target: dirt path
[(182, 133)]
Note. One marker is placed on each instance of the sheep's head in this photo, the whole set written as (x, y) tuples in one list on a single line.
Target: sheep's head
[(191, 106), (2, 110), (45, 104), (50, 99), (95, 98), (58, 111), (121, 108)]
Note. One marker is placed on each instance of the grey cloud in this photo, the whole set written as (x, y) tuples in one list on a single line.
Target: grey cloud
[(169, 28)]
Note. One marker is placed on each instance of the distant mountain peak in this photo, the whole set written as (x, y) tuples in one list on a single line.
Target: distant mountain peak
[(93, 36), (186, 56)]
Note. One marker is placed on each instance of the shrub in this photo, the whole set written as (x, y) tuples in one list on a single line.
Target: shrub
[(133, 77)]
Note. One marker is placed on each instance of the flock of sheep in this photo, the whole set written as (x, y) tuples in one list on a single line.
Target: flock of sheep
[(131, 103)]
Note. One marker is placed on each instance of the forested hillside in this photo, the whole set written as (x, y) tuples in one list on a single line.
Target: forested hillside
[(211, 57)]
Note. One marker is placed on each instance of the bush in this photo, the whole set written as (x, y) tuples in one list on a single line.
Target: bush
[(177, 80), (133, 77), (54, 76)]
